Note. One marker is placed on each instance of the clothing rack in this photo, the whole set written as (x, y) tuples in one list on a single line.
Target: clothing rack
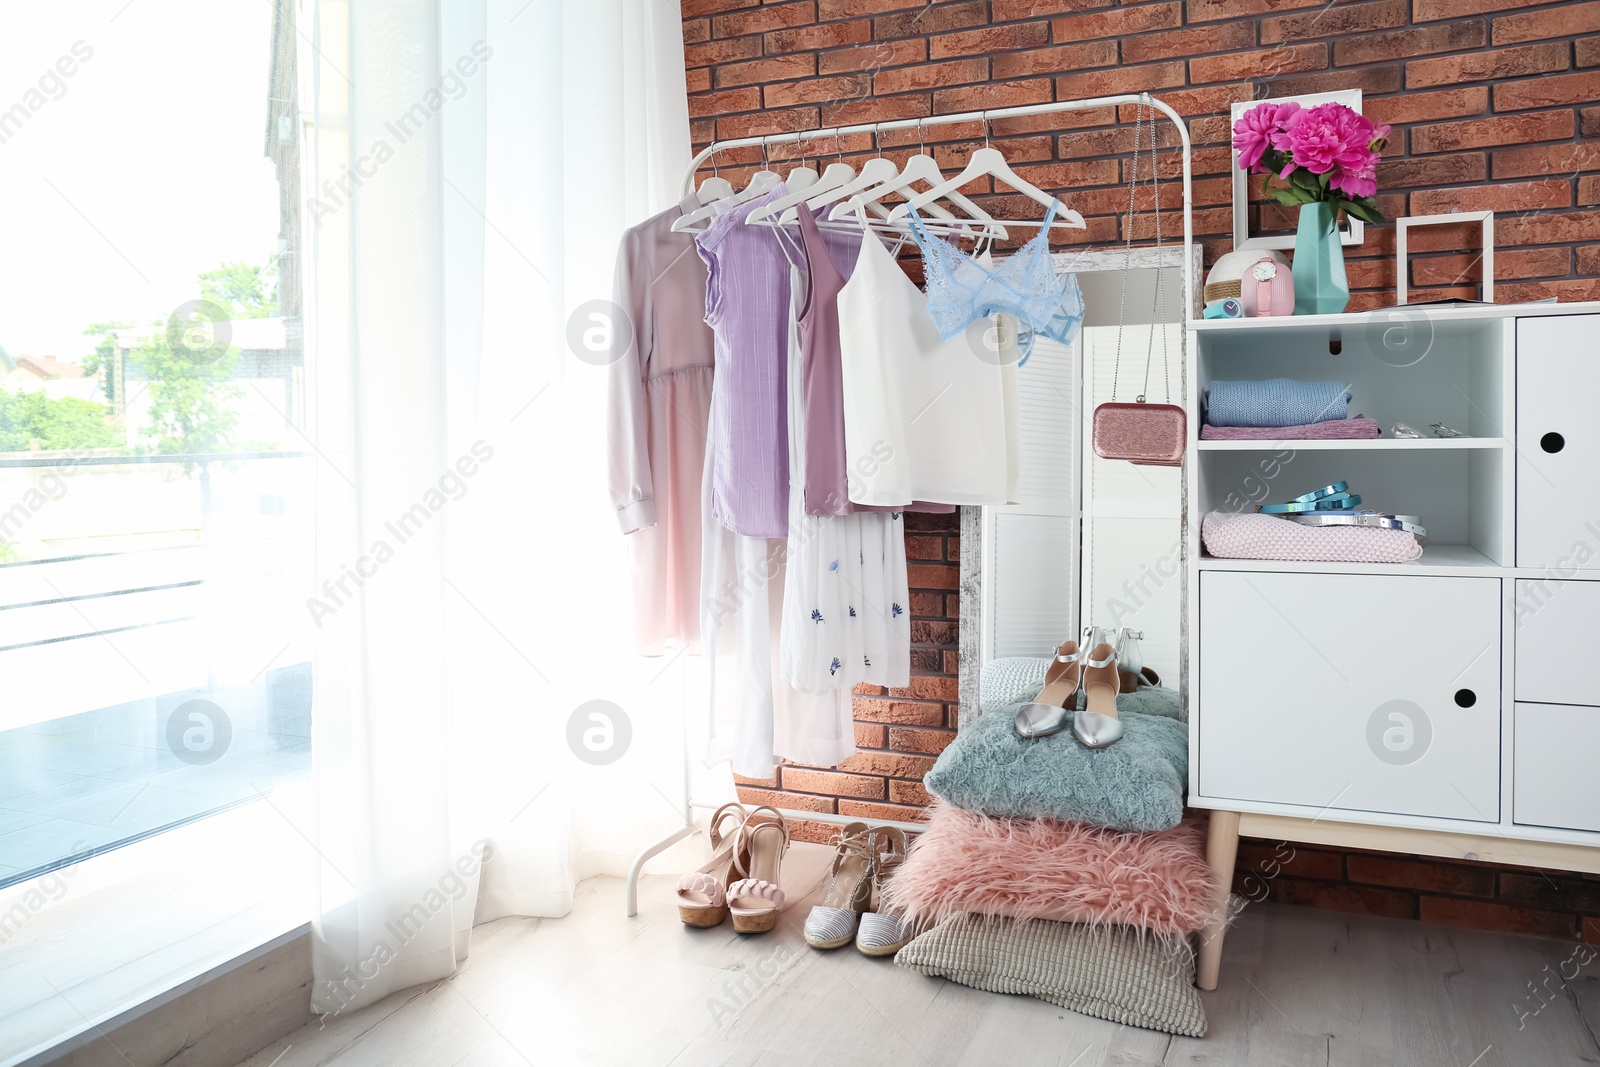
[(798, 137)]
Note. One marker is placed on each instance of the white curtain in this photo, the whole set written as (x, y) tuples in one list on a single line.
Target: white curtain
[(474, 163)]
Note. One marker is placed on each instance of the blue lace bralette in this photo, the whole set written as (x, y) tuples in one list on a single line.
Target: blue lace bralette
[(962, 290)]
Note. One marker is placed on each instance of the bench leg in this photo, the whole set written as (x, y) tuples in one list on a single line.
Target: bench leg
[(1222, 847)]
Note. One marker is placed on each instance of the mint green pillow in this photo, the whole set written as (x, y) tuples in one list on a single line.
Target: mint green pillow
[(1135, 784)]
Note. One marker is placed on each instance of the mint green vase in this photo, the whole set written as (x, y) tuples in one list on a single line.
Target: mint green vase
[(1320, 287)]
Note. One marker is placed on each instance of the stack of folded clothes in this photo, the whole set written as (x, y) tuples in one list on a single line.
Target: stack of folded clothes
[(1282, 409), (1059, 871)]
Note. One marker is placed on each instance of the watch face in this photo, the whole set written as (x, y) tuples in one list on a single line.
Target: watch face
[(1265, 271)]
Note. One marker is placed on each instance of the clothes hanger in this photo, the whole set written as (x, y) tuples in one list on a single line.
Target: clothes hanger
[(834, 177), (715, 187), (991, 162), (923, 168), (762, 182), (801, 177)]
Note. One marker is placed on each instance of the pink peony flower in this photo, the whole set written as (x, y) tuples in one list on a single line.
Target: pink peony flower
[(1331, 135), (1259, 130), (1357, 182)]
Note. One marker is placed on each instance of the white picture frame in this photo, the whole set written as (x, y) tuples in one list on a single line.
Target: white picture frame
[(1352, 233), (1402, 268)]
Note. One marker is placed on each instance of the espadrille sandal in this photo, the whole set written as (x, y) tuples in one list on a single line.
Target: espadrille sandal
[(703, 894), (832, 923), (883, 933)]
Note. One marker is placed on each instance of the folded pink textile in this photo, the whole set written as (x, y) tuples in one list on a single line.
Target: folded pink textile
[(1337, 429), (1043, 869)]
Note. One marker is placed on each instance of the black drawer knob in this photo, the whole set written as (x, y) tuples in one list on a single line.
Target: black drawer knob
[(1465, 698), (1552, 442)]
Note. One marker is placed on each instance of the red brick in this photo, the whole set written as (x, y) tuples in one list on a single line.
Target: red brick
[(696, 30), (929, 76), (1588, 52), (928, 687), (1119, 80), (1588, 191), (1055, 60), (817, 833), (792, 801), (947, 522), (832, 783), (1486, 66), (871, 735), (924, 20), (933, 576), (1269, 859), (1265, 63), (1433, 10), (1548, 91), (1335, 896), (725, 51), (1456, 878), (1207, 10), (722, 103), (1012, 10), (765, 71), (694, 8), (831, 35), (899, 711), (852, 112), (991, 95), (1398, 44), (952, 662), (927, 605), (1568, 291), (1546, 159), (1331, 21), (925, 632), (1485, 133), (764, 18), (989, 40), (1427, 107), (697, 81), (932, 742), (1372, 81), (1589, 259), (758, 123), (1484, 915), (767, 783), (818, 90), (902, 792), (1432, 171), (1515, 196), (887, 765), (873, 57), (884, 812), (1120, 22), (1561, 21), (1198, 40)]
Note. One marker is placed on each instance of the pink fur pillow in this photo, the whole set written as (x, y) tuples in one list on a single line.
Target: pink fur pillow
[(1066, 871)]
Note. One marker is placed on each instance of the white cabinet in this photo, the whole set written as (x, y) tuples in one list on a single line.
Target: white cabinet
[(1554, 779), (1352, 692), (1558, 441), (1557, 636)]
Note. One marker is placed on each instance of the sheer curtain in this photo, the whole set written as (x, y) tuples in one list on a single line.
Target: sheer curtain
[(484, 736)]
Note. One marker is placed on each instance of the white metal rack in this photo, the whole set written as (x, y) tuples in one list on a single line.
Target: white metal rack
[(801, 136)]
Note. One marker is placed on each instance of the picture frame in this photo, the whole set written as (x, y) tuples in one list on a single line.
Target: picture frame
[(1353, 230)]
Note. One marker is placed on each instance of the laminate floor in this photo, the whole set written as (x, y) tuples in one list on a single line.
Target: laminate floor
[(1299, 987)]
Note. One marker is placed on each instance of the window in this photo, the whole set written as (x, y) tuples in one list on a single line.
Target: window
[(155, 535)]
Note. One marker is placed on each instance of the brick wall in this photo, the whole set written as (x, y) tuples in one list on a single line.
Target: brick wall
[(1494, 105)]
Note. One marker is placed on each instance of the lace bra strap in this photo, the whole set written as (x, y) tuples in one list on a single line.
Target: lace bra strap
[(918, 234)]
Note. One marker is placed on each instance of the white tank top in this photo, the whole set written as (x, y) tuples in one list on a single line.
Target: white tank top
[(924, 418)]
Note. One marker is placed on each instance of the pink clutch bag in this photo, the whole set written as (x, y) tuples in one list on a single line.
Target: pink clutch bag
[(1151, 435)]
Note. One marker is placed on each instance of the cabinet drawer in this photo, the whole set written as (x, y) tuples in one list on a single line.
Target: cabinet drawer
[(1553, 780), (1557, 632), (1558, 438), (1360, 692)]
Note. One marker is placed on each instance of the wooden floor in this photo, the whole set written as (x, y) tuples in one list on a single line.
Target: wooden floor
[(1298, 987)]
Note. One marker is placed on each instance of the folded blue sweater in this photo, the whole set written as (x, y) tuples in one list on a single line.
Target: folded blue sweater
[(1278, 402)]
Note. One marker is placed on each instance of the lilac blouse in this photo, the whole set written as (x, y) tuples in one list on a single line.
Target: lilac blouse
[(747, 308)]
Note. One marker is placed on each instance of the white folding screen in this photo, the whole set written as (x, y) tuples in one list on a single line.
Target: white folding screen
[(1132, 570), (1030, 548)]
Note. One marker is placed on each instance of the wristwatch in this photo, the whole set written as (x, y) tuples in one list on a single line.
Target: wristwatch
[(1264, 272)]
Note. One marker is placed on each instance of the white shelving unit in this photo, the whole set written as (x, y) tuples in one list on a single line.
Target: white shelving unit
[(1380, 706)]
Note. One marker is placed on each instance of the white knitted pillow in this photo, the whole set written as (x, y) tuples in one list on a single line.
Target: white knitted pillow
[(1251, 535)]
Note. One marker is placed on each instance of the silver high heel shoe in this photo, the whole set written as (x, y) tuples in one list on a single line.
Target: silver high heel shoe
[(1097, 725)]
